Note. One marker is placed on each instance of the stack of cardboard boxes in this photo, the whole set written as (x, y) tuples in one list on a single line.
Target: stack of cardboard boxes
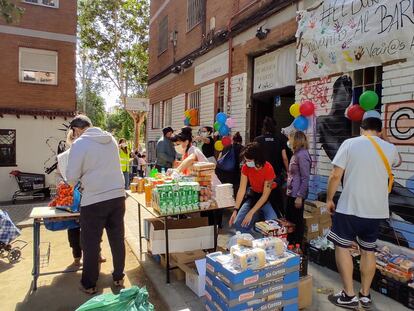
[(317, 218)]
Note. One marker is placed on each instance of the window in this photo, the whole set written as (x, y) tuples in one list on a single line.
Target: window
[(38, 66), (163, 35), (367, 79), (194, 99), (220, 96), (167, 113), (156, 116), (7, 147), (194, 13), (48, 3)]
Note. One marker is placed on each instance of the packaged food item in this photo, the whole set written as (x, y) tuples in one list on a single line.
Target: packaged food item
[(249, 258), (133, 187), (271, 245)]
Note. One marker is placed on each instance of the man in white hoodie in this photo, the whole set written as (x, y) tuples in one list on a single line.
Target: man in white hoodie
[(94, 161)]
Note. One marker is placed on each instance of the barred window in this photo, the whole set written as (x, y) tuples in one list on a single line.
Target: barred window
[(48, 3), (7, 147), (156, 116), (167, 112), (220, 96), (163, 35), (194, 99), (194, 13)]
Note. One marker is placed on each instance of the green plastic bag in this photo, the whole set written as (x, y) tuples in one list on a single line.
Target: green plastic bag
[(130, 299)]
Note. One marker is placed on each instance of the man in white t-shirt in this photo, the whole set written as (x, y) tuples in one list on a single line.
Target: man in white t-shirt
[(362, 206)]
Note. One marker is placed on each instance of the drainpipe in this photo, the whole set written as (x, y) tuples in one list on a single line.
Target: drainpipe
[(238, 12)]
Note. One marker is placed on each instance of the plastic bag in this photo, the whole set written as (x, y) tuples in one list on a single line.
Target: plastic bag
[(129, 299)]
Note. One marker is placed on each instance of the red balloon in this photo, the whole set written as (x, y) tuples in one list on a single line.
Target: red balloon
[(355, 113), (226, 140), (307, 108)]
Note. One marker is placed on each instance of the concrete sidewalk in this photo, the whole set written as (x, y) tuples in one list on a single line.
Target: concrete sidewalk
[(178, 297)]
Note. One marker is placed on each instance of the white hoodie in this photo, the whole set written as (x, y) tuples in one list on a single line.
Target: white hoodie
[(94, 160)]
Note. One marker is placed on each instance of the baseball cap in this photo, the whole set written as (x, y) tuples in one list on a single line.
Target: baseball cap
[(371, 114)]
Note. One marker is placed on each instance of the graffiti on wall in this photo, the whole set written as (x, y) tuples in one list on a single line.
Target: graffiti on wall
[(399, 122), (56, 145), (318, 92)]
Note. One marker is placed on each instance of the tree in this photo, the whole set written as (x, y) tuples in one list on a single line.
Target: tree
[(9, 11), (120, 124), (95, 105), (115, 32)]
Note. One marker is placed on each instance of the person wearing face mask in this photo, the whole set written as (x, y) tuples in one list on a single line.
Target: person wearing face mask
[(208, 143), (297, 184), (164, 151), (190, 154), (94, 161), (124, 156), (260, 175)]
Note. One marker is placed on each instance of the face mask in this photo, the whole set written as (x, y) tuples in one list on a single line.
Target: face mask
[(179, 149), (123, 145), (251, 164), (288, 144), (204, 134)]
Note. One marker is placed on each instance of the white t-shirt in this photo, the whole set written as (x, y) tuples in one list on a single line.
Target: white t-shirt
[(365, 188)]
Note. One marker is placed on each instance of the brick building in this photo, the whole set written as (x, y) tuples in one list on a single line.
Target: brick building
[(37, 66), (215, 57)]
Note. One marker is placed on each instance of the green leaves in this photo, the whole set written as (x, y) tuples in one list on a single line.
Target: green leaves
[(115, 32), (10, 12)]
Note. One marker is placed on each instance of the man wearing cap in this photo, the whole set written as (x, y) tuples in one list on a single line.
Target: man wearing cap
[(94, 161), (362, 206), (165, 151)]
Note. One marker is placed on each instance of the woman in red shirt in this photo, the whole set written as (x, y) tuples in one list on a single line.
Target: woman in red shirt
[(260, 175)]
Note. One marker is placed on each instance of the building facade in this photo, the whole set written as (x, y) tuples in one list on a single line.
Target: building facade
[(38, 89), (243, 58)]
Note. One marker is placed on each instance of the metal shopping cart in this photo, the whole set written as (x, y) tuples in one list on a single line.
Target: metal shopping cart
[(9, 247), (31, 186)]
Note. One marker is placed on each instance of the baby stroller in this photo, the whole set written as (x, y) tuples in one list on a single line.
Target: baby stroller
[(8, 233), (31, 186)]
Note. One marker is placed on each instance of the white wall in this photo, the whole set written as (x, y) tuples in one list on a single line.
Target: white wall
[(238, 108), (31, 148)]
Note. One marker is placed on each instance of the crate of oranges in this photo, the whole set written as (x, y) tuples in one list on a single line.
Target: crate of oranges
[(64, 196)]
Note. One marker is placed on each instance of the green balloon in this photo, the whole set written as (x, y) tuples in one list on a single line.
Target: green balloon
[(368, 100), (217, 126)]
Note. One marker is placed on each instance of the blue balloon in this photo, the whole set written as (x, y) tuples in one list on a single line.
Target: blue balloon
[(224, 130), (301, 123), (187, 122), (221, 118)]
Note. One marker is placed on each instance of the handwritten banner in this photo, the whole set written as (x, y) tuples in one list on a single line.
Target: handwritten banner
[(345, 35)]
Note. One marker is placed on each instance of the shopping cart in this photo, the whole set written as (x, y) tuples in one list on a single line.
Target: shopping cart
[(9, 247), (31, 186)]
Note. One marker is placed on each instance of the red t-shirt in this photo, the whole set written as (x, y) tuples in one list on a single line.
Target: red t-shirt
[(257, 177)]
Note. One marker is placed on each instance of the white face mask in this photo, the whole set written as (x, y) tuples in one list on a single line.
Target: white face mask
[(179, 149), (204, 134), (123, 145), (288, 144)]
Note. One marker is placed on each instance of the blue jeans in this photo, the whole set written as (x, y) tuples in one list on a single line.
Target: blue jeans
[(126, 177), (266, 212)]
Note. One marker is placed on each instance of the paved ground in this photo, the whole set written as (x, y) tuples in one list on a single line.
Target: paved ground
[(60, 292)]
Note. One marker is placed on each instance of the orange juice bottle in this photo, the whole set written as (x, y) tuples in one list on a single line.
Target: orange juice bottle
[(148, 194)]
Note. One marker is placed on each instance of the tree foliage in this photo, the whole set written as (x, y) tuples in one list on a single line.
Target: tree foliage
[(95, 105), (9, 11), (120, 124), (116, 34)]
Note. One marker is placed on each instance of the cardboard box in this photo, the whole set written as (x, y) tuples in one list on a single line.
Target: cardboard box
[(325, 224), (195, 276), (311, 223), (316, 208), (188, 257), (184, 235), (305, 292)]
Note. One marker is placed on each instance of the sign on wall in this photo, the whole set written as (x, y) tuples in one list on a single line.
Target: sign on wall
[(211, 69), (399, 122), (137, 104), (345, 35), (275, 70)]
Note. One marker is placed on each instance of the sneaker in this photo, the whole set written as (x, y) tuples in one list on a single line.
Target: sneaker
[(343, 300), (365, 301)]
